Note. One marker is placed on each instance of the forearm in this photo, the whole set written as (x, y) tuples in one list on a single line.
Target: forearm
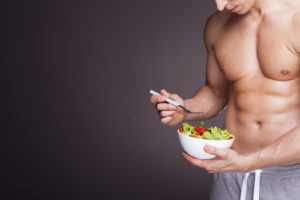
[(284, 151), (206, 100)]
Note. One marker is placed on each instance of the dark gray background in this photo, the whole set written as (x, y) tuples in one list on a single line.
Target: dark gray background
[(80, 124)]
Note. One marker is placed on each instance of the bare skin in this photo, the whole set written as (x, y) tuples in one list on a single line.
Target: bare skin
[(253, 67)]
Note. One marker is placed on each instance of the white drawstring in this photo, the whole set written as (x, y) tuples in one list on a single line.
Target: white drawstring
[(244, 187), (256, 185)]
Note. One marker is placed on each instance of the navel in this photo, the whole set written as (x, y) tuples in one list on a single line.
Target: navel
[(259, 124), (284, 72)]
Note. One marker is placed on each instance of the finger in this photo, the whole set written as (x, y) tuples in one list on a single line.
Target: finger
[(165, 93), (165, 120), (169, 95), (221, 153), (193, 161), (174, 96), (165, 106), (167, 113), (210, 166), (157, 99)]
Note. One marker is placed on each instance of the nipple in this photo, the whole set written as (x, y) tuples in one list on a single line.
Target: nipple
[(284, 72)]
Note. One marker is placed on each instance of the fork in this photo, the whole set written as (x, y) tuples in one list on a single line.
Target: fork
[(175, 103)]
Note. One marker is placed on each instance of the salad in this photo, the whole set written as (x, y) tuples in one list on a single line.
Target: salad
[(198, 131)]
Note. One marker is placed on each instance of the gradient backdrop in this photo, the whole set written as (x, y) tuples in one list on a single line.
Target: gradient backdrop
[(80, 124)]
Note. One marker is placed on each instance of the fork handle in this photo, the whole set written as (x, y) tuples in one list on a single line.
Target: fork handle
[(167, 100)]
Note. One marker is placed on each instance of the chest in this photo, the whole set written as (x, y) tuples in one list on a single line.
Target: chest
[(257, 47)]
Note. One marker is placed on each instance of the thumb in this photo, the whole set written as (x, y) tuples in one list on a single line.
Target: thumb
[(221, 153), (165, 93)]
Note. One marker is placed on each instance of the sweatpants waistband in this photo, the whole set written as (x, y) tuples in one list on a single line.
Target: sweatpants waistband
[(283, 169)]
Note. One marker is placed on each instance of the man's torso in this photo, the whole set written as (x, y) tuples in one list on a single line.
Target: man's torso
[(257, 55)]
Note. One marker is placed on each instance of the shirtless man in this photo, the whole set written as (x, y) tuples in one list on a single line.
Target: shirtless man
[(253, 67)]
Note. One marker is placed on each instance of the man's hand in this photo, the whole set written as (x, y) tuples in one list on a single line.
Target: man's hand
[(169, 115), (226, 160)]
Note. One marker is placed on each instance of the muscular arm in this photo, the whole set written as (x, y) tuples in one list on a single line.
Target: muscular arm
[(284, 151), (213, 96)]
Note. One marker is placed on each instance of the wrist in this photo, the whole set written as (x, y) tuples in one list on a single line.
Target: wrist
[(250, 161), (187, 105)]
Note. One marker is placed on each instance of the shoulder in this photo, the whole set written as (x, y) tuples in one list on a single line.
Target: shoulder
[(214, 26)]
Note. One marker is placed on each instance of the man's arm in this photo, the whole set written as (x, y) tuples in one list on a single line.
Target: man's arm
[(213, 96), (210, 99), (284, 151)]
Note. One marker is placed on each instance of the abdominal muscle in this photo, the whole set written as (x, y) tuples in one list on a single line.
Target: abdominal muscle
[(258, 119)]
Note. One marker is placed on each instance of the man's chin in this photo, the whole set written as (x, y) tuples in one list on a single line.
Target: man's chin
[(241, 12)]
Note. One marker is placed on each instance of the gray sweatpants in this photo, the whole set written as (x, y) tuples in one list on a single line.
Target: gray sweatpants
[(272, 183)]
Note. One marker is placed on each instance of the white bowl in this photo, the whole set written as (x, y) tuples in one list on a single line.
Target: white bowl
[(194, 146)]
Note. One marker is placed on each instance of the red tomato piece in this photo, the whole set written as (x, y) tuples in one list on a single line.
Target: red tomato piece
[(181, 129), (199, 130)]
